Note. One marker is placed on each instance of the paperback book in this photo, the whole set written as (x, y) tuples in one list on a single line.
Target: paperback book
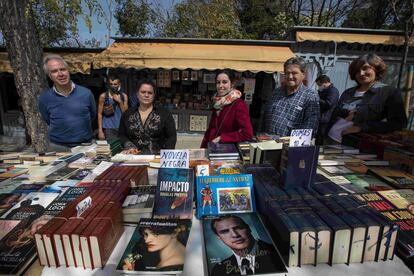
[(148, 245), (224, 194), (248, 252), (174, 193)]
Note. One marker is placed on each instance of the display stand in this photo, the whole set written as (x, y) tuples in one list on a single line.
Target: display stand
[(194, 262)]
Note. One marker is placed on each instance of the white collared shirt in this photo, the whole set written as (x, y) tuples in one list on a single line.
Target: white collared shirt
[(251, 257), (71, 90)]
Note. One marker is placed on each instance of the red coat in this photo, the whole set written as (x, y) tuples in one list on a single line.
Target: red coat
[(232, 127)]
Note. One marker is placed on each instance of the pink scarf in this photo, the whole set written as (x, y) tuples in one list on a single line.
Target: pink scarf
[(222, 101)]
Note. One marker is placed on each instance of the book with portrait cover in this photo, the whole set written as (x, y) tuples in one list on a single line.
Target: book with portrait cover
[(17, 248), (224, 194), (238, 244), (174, 194), (152, 241)]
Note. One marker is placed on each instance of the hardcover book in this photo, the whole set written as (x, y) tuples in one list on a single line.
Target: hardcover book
[(250, 251), (301, 166), (285, 232), (174, 193), (224, 194), (146, 249), (221, 150), (396, 178)]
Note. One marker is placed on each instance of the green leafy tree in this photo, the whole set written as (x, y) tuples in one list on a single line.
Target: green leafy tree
[(201, 19), (24, 47), (134, 17)]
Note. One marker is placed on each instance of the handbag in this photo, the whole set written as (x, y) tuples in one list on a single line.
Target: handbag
[(108, 109)]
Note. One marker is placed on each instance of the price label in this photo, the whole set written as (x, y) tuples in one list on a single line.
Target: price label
[(300, 137), (83, 205), (203, 170)]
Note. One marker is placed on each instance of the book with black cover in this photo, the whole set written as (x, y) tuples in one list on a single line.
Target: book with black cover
[(174, 193), (17, 247), (251, 245), (222, 149), (144, 252)]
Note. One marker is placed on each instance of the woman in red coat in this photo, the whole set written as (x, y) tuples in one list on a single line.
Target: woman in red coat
[(230, 122)]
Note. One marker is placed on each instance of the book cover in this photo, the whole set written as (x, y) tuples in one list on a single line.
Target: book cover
[(8, 200), (139, 200), (174, 193), (366, 181), (59, 186), (61, 174), (6, 225), (301, 166), (396, 178), (224, 194), (400, 199), (238, 244), (220, 149), (157, 246), (17, 247), (30, 207)]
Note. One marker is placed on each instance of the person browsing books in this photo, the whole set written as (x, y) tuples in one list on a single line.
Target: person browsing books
[(67, 109), (230, 121), (111, 105), (160, 249), (147, 128), (250, 256), (370, 106), (328, 99)]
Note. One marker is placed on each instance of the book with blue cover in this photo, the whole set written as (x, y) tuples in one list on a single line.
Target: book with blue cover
[(174, 194), (225, 194)]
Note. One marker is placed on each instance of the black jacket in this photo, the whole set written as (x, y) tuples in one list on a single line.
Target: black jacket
[(328, 98), (157, 133), (381, 109)]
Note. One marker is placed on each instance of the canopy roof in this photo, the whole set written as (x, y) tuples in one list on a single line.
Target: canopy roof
[(78, 59), (349, 35), (239, 55)]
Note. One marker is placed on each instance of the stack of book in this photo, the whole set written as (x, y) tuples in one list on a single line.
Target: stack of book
[(85, 232), (170, 225), (315, 229), (219, 151)]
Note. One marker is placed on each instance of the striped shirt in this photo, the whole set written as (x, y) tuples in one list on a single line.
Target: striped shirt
[(300, 110)]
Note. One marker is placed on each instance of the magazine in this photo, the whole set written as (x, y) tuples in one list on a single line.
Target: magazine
[(156, 247), (224, 194)]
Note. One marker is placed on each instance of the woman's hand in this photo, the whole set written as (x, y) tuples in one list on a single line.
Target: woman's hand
[(128, 265), (216, 140), (350, 116), (352, 129)]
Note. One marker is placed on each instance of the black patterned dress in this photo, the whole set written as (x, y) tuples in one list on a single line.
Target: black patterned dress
[(158, 131)]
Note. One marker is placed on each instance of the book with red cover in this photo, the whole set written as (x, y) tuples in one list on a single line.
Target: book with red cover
[(44, 239), (102, 234), (75, 234)]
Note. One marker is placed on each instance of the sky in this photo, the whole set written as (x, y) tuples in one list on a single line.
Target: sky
[(99, 29)]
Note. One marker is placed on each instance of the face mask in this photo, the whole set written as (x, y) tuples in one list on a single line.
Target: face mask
[(113, 88), (320, 87)]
